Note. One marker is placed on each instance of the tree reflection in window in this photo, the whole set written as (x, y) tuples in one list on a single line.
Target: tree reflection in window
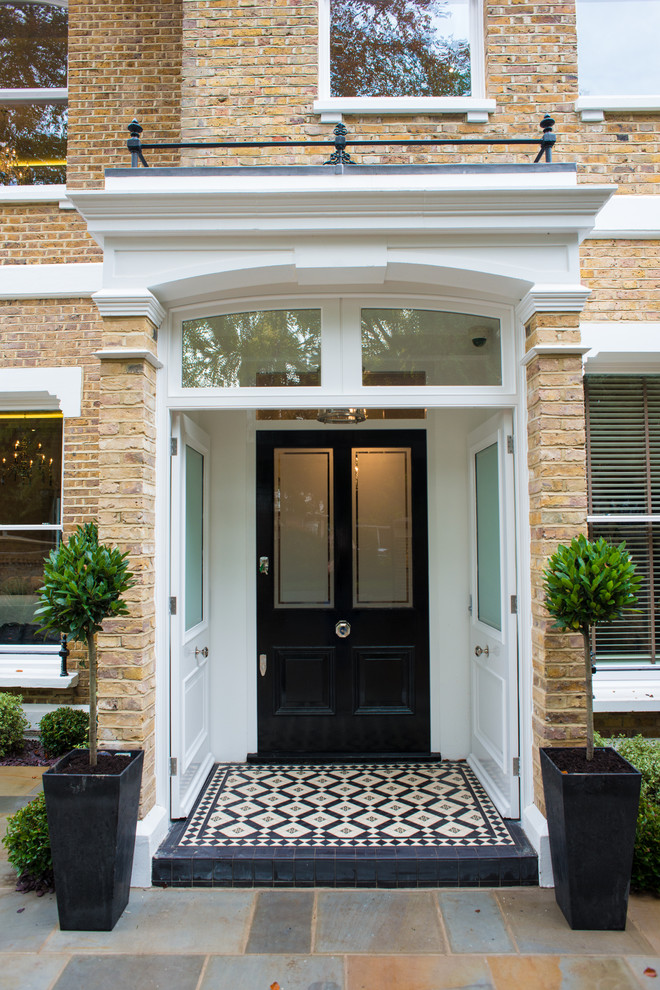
[(399, 48), (267, 348), (33, 55)]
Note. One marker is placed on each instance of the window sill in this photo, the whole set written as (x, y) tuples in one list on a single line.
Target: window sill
[(45, 96), (627, 690), (593, 108), (55, 193), (475, 108), (33, 670)]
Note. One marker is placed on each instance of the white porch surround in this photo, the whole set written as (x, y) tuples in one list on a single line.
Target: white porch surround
[(499, 237)]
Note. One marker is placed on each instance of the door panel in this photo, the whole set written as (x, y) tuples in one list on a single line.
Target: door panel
[(189, 685), (343, 612), (493, 626)]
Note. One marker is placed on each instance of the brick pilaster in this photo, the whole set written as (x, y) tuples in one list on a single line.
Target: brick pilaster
[(558, 508)]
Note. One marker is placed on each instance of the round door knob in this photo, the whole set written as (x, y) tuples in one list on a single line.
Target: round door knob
[(478, 651), (204, 652), (343, 629)]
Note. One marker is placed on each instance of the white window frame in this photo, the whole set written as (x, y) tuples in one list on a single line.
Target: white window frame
[(476, 107), (341, 356), (43, 96), (594, 107)]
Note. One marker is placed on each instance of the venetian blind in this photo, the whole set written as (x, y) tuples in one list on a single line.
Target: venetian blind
[(623, 469)]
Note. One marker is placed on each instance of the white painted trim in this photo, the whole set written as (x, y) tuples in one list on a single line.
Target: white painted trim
[(477, 107), (626, 690), (129, 354), (552, 350), (552, 299), (41, 388), (138, 302), (33, 671), (621, 347), (34, 712), (535, 828), (589, 106), (33, 194), (150, 832), (78, 280), (628, 217), (15, 97)]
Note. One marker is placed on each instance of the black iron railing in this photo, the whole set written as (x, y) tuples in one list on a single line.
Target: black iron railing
[(340, 142)]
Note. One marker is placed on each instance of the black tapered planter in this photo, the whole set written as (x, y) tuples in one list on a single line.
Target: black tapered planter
[(592, 818), (92, 820)]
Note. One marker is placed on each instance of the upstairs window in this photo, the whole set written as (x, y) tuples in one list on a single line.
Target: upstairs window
[(33, 78), (618, 47), (30, 521)]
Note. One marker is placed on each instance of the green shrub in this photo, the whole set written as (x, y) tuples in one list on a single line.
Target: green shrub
[(13, 723), (644, 754), (63, 729), (28, 842)]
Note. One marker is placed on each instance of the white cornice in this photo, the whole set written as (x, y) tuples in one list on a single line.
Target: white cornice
[(50, 281), (116, 302), (42, 388), (129, 354), (552, 350), (552, 299), (626, 216)]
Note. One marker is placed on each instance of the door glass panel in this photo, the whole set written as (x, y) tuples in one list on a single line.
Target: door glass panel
[(304, 535), (194, 595), (488, 537), (426, 347), (382, 528), (264, 348)]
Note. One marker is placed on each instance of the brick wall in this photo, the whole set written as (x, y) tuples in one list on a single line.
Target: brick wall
[(44, 234), (624, 277), (628, 724)]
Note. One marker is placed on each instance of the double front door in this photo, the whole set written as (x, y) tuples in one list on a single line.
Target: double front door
[(343, 658)]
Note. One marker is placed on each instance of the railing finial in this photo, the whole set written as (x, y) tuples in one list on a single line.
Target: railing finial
[(547, 139), (134, 144), (340, 156)]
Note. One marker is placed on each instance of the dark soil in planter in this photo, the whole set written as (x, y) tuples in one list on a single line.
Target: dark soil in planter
[(108, 763), (32, 755), (574, 760)]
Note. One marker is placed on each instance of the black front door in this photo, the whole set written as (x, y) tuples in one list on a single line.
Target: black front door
[(342, 592)]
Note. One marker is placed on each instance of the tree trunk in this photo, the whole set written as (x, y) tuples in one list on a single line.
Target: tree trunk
[(590, 693), (91, 653)]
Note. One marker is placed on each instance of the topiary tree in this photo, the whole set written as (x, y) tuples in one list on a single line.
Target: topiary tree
[(589, 583), (84, 581)]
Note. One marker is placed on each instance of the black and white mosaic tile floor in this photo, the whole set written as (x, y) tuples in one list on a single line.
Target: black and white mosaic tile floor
[(344, 825), (345, 805)]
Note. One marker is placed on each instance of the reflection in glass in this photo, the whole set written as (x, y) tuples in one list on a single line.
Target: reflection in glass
[(21, 575), (427, 347), (268, 348), (303, 528), (618, 47), (399, 48), (194, 537), (32, 144), (382, 527), (30, 469), (489, 579)]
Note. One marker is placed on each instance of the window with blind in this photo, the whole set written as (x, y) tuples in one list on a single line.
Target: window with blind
[(623, 465)]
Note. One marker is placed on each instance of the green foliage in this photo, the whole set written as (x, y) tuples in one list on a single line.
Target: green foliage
[(63, 729), (27, 840), (83, 584), (13, 723), (589, 583), (644, 754)]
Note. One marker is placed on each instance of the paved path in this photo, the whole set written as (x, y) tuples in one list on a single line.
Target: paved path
[(205, 939)]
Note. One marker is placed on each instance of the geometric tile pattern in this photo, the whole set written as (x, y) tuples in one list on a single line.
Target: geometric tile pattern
[(345, 806)]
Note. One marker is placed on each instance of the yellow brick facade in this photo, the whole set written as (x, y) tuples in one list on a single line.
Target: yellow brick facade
[(204, 70)]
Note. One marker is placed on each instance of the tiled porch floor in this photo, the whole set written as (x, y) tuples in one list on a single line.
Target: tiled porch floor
[(332, 824)]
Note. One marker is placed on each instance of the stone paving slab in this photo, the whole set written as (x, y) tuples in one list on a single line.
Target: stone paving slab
[(255, 972), (418, 973), (474, 922), (28, 971), (377, 920), (26, 921), (20, 781), (282, 922), (148, 972)]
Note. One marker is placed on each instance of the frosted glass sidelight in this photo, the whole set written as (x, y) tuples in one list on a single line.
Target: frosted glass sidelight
[(303, 528), (489, 608), (382, 527), (265, 348), (416, 347), (194, 537)]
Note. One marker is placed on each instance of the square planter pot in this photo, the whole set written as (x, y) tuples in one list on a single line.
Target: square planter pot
[(592, 819), (92, 820)]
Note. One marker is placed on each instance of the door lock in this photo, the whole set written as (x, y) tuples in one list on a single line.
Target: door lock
[(478, 651), (204, 652), (343, 629)]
